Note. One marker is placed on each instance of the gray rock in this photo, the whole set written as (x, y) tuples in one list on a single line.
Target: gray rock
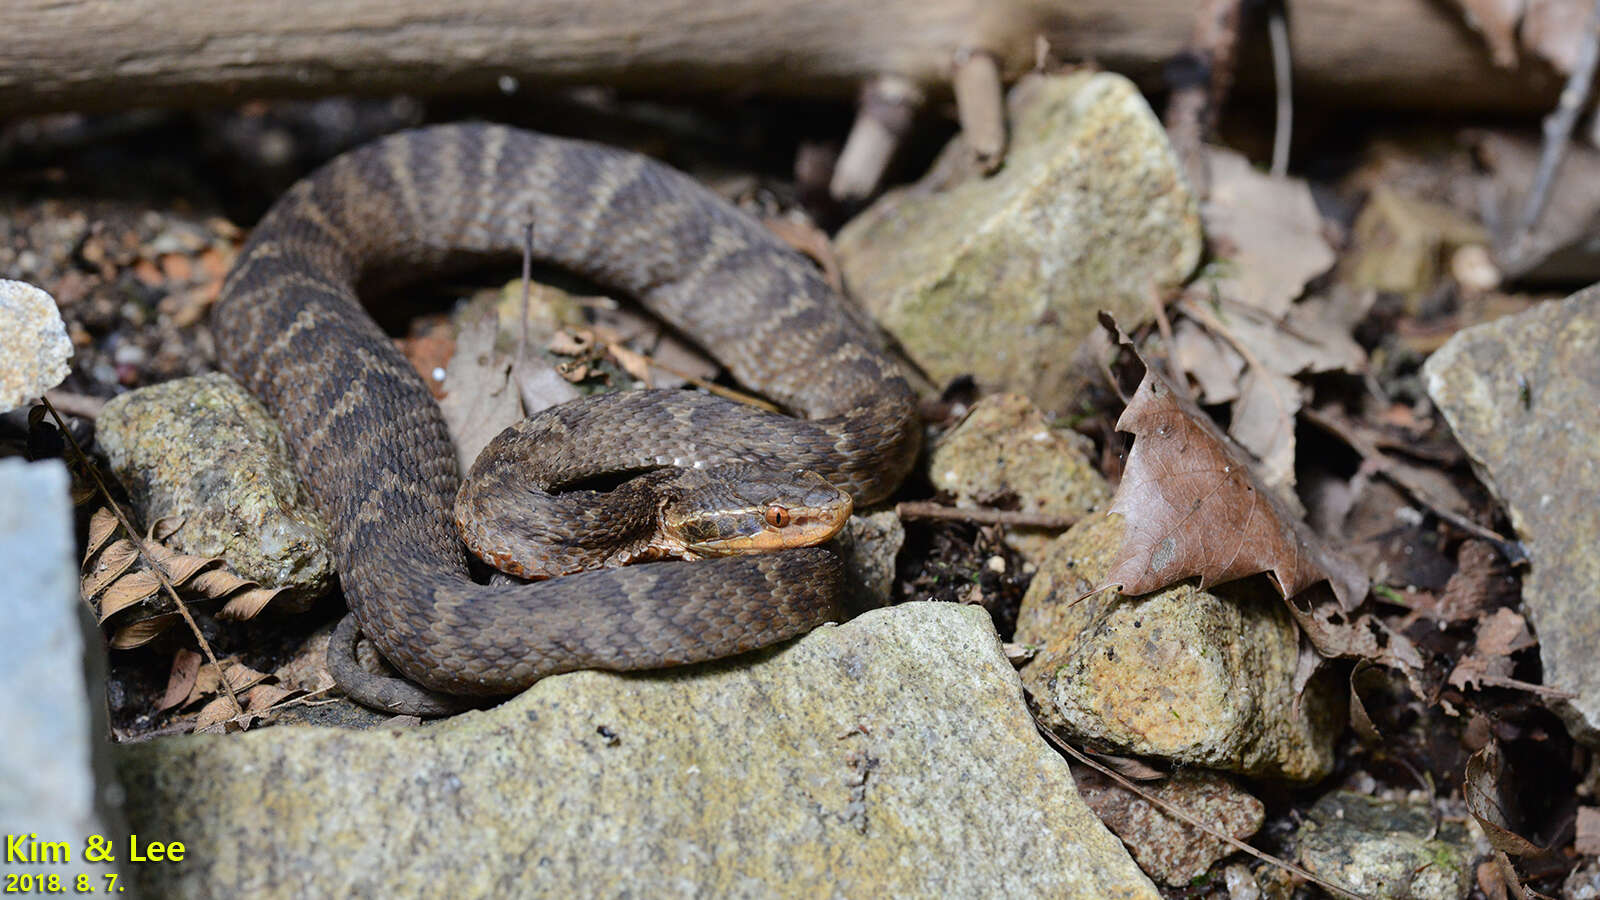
[(1386, 849), (1004, 453), (889, 756), (52, 703), (1001, 277), (206, 452), (1198, 677), (1167, 849), (871, 542), (34, 347), (1520, 393)]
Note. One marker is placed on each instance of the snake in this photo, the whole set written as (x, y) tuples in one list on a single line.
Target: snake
[(369, 441)]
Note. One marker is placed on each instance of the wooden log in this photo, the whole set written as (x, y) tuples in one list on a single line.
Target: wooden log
[(100, 54)]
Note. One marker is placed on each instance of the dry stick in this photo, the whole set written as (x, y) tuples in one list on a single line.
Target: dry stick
[(1184, 817), (924, 509), (1558, 131), (1201, 87), (527, 286), (1283, 85), (145, 555), (888, 105), (724, 392), (81, 405), (980, 106), (1371, 455)]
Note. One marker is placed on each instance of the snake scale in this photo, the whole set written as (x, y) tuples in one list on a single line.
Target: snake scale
[(370, 442)]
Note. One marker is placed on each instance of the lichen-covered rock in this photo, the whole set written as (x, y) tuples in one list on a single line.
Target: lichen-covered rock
[(34, 347), (1166, 848), (1199, 677), (1005, 454), (1386, 850), (1001, 277), (1519, 393), (891, 756), (204, 452)]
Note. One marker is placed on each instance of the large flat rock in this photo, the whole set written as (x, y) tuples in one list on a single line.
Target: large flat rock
[(1522, 394), (892, 755)]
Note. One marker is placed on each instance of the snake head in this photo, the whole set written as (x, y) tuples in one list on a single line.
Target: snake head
[(735, 509)]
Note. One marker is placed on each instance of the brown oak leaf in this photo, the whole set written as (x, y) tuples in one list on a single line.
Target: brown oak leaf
[(1193, 507)]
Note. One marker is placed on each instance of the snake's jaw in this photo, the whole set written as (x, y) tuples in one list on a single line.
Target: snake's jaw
[(796, 509)]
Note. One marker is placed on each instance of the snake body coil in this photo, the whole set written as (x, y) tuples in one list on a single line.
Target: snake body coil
[(371, 444)]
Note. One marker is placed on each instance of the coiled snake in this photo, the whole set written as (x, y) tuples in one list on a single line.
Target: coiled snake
[(370, 443)]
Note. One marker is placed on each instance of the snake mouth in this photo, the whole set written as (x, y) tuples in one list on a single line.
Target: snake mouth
[(803, 526)]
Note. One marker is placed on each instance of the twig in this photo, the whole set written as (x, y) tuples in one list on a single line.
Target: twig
[(1184, 817), (726, 393), (980, 106), (145, 555), (81, 405), (1374, 457), (1200, 79), (1558, 132), (527, 286), (888, 105), (1283, 86), (925, 509)]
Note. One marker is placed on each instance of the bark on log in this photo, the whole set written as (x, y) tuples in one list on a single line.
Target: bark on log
[(98, 54)]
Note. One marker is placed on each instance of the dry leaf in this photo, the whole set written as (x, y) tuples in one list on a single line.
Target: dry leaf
[(635, 364), (137, 634), (180, 684), (128, 590), (263, 697), (179, 567), (113, 563), (1215, 366), (102, 525), (481, 399), (1263, 423), (248, 604), (1482, 791), (215, 715), (1270, 232), (1193, 508), (1499, 635)]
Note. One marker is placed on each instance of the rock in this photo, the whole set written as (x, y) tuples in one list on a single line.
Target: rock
[(1001, 277), (871, 542), (1583, 883), (1005, 454), (1198, 677), (1400, 244), (1519, 393), (1386, 849), (34, 347), (52, 684), (204, 451), (892, 755), (1167, 849)]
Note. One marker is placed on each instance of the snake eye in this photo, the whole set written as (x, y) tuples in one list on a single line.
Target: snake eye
[(777, 517)]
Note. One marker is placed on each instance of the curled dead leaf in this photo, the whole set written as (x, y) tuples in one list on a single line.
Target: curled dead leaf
[(1193, 507), (1481, 789)]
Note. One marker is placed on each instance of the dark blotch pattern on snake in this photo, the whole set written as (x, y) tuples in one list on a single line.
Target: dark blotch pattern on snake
[(371, 444)]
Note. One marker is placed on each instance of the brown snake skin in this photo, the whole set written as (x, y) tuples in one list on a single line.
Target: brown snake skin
[(371, 444)]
